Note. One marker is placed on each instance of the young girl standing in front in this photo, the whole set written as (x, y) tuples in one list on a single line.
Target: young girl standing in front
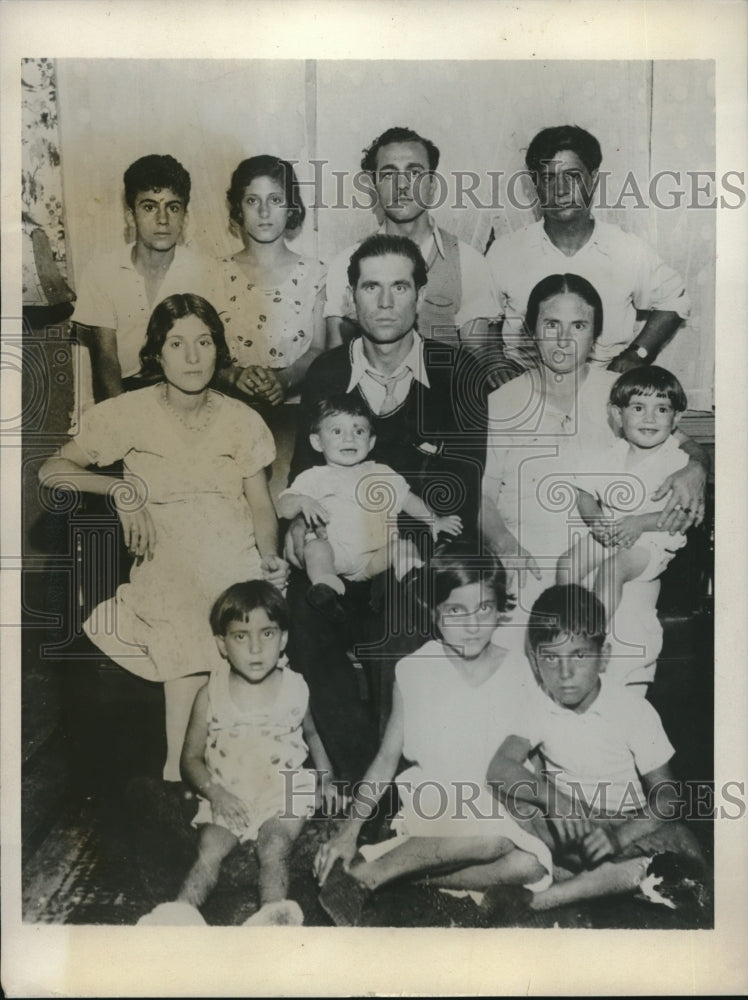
[(453, 700)]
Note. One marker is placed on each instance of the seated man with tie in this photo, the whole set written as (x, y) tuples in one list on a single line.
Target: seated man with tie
[(427, 405)]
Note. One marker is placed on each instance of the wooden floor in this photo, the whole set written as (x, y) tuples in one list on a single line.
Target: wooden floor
[(104, 840)]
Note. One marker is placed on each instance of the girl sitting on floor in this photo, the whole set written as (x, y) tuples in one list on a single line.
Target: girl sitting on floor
[(454, 701)]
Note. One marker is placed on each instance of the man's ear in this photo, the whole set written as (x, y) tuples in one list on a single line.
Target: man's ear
[(221, 643), (604, 657), (349, 303), (419, 298), (315, 442)]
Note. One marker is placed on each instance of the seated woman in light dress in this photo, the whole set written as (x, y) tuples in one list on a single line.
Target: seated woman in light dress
[(194, 505)]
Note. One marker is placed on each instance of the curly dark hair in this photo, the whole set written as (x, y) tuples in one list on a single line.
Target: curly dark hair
[(154, 172), (397, 133), (279, 171)]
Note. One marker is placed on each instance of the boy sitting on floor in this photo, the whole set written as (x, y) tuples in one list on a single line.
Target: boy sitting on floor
[(349, 506), (607, 794)]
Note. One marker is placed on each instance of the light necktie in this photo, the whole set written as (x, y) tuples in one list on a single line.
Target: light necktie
[(390, 382)]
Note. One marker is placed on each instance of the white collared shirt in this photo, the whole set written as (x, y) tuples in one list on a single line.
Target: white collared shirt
[(374, 391), (626, 272)]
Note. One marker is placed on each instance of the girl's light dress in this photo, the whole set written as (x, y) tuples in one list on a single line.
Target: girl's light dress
[(451, 732), (272, 326), (157, 624), (257, 755)]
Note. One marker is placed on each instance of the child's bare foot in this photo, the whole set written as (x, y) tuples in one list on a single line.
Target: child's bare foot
[(283, 913), (177, 914)]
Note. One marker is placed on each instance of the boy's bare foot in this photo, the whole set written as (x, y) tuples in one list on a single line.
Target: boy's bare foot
[(283, 913)]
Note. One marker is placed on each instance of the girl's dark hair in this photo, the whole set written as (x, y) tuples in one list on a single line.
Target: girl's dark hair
[(649, 380), (162, 320), (460, 563), (279, 171), (556, 284), (238, 600), (566, 610), (551, 141)]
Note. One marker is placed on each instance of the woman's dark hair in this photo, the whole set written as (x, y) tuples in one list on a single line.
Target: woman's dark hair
[(551, 141), (397, 133), (238, 600), (154, 172), (557, 284), (649, 380), (279, 171), (162, 320), (460, 563)]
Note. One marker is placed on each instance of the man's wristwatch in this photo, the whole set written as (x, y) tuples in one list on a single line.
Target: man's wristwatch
[(639, 351)]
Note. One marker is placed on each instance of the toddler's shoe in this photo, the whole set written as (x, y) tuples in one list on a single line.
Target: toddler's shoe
[(175, 914), (283, 913), (327, 602), (343, 897)]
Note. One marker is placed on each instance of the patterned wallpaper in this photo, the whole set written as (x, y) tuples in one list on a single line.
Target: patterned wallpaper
[(41, 175)]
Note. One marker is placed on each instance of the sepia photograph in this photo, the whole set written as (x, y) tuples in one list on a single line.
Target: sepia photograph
[(466, 315)]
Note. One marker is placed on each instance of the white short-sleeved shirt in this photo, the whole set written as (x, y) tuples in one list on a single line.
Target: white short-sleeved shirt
[(600, 752), (479, 299), (111, 294), (362, 500), (626, 272), (625, 486)]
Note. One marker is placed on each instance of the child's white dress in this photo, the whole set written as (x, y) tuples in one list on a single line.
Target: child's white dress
[(247, 751), (451, 733), (157, 625)]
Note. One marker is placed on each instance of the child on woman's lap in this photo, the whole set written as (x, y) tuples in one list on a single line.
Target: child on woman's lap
[(607, 793), (248, 737), (646, 404), (349, 505), (452, 701)]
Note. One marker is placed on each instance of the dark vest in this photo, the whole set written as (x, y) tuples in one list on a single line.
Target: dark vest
[(437, 317)]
